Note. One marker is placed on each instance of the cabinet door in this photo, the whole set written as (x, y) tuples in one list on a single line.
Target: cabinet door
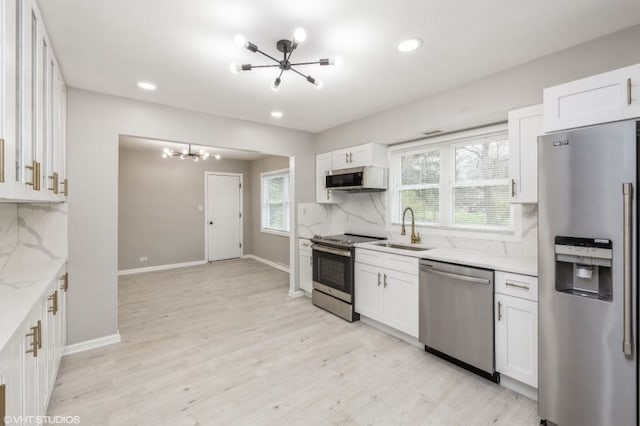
[(516, 338), (361, 155), (340, 159), (10, 376), (30, 367), (368, 291), (324, 163), (602, 98), (400, 301), (525, 125), (61, 322), (306, 271), (60, 132)]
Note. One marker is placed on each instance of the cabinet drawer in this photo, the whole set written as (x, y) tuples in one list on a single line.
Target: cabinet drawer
[(406, 264), (370, 257), (304, 244), (523, 286)]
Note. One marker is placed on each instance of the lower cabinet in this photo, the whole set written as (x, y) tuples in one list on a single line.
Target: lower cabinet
[(516, 338), (305, 263), (387, 296), (30, 360)]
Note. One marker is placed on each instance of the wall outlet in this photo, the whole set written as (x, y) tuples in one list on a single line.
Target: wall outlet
[(143, 259)]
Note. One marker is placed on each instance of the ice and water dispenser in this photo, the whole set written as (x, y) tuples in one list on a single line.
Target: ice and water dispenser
[(583, 267)]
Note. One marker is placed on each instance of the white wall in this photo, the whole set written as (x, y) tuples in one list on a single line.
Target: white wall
[(95, 122), (489, 99)]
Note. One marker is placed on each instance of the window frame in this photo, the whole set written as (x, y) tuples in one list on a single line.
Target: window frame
[(446, 145), (264, 213)]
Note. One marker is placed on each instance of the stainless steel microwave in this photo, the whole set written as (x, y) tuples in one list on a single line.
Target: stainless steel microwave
[(358, 179)]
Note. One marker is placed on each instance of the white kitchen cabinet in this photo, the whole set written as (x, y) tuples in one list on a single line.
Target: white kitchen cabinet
[(516, 338), (389, 296), (305, 262), (323, 196), (368, 291), (525, 125), (29, 361), (33, 117), (370, 154), (400, 301), (601, 98)]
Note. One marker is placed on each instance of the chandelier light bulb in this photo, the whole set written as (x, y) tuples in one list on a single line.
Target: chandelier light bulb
[(240, 40), (318, 84), (275, 86), (338, 61), (235, 68), (299, 35)]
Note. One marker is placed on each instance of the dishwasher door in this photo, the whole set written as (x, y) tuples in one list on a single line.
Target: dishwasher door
[(456, 315)]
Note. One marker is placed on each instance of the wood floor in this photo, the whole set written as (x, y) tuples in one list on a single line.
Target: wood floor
[(224, 344)]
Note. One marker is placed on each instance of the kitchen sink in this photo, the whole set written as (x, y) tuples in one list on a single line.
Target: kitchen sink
[(401, 247)]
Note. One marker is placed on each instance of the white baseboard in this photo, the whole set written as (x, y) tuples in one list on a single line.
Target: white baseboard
[(519, 387), (298, 293), (161, 267), (91, 344), (271, 263), (392, 331)]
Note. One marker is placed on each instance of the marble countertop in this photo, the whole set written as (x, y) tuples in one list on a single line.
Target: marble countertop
[(23, 280), (514, 264)]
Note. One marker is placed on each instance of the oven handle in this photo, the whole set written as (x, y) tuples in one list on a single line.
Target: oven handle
[(330, 250)]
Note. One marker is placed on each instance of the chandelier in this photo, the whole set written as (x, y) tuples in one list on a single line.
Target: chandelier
[(286, 47), (188, 153)]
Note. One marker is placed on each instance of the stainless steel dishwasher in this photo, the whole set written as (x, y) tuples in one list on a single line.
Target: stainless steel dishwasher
[(456, 315)]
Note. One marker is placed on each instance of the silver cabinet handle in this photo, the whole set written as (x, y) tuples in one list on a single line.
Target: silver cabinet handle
[(627, 194), (513, 188), (516, 285), (351, 157), (385, 280), (499, 311), (628, 91), (458, 277), (311, 260), (378, 279), (346, 157)]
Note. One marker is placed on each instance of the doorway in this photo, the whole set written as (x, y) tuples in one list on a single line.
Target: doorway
[(223, 216)]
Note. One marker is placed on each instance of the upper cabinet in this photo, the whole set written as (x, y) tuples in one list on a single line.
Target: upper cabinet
[(602, 98), (370, 154), (525, 125), (33, 121)]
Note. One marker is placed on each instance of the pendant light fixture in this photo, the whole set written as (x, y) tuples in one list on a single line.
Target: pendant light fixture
[(188, 153), (286, 47)]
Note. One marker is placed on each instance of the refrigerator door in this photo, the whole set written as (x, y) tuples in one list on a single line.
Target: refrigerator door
[(585, 377)]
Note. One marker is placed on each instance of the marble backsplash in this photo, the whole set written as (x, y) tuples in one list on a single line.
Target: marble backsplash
[(38, 227), (365, 213)]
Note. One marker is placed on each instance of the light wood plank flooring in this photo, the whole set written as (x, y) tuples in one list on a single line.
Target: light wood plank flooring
[(224, 344)]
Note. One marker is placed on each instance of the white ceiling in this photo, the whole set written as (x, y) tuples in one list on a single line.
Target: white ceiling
[(185, 47), (144, 144)]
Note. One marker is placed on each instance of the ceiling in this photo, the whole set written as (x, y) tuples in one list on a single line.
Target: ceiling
[(186, 49), (144, 144)]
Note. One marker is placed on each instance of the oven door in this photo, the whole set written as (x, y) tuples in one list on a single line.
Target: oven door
[(333, 271)]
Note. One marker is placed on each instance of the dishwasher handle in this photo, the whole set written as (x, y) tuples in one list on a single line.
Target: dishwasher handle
[(456, 276)]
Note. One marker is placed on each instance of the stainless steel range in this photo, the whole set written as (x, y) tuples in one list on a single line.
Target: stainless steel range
[(333, 264)]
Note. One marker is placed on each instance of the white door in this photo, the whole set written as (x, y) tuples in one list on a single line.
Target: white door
[(400, 301), (517, 338), (224, 220), (368, 291)]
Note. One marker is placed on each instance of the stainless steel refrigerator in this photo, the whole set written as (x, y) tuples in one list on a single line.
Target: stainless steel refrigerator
[(588, 282)]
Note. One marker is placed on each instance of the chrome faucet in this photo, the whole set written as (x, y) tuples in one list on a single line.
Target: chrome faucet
[(414, 238)]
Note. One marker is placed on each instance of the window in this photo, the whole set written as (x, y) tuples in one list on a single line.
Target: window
[(455, 183), (275, 202)]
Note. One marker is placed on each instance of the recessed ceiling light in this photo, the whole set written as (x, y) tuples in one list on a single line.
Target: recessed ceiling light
[(276, 114), (146, 85), (409, 45)]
